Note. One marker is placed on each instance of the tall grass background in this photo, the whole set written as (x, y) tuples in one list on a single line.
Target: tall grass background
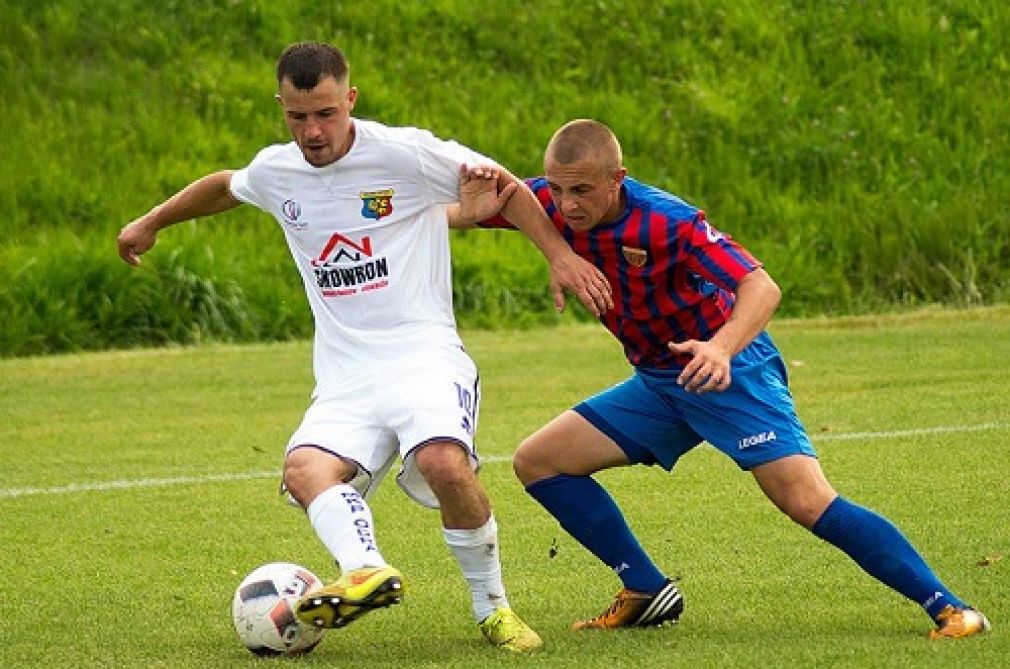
[(860, 149)]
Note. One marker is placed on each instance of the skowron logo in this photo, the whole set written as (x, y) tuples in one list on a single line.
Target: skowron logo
[(347, 266)]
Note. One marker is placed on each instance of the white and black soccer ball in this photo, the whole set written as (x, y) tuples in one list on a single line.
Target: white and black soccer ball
[(263, 610)]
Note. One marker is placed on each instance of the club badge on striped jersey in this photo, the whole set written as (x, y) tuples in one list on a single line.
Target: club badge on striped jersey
[(636, 257)]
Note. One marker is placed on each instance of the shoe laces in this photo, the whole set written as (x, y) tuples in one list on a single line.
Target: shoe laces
[(619, 603), (496, 622), (946, 614)]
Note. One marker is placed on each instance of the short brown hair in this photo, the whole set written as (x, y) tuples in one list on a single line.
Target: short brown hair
[(305, 63)]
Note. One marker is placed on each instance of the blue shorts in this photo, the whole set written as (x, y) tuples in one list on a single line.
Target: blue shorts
[(655, 421)]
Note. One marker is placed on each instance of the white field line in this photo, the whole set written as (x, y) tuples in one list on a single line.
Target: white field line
[(914, 432), (491, 459), (134, 483)]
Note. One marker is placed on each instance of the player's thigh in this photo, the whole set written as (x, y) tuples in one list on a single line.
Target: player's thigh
[(340, 434), (753, 421), (568, 444), (629, 423), (435, 397), (433, 402)]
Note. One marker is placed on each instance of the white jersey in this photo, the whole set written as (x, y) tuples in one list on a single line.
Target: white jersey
[(370, 237)]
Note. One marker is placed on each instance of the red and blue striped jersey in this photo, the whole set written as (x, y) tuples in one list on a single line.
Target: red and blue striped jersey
[(673, 275)]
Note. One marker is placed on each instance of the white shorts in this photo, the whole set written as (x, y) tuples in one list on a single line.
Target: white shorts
[(433, 397)]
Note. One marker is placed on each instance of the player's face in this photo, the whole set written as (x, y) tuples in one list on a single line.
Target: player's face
[(320, 119), (585, 192)]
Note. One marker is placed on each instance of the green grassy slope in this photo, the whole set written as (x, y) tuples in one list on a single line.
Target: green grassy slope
[(860, 150)]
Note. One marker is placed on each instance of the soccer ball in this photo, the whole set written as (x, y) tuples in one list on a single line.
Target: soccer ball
[(263, 610)]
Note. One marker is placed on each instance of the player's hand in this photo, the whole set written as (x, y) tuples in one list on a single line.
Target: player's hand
[(480, 194), (709, 369), (135, 239), (573, 273)]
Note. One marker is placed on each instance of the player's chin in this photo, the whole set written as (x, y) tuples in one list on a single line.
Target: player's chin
[(317, 156), (580, 224)]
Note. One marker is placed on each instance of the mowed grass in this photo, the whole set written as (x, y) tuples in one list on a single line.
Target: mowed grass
[(908, 413)]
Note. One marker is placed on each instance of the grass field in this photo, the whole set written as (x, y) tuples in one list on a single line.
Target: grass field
[(137, 488)]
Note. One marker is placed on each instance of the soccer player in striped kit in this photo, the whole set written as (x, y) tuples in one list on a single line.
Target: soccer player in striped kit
[(690, 309)]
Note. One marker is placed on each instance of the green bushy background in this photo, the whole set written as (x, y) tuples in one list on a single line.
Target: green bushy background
[(860, 149)]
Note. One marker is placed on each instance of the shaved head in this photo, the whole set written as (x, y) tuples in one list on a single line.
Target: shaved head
[(585, 140), (583, 168)]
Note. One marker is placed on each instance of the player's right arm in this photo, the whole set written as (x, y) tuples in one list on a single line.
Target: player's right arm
[(204, 197), (482, 204)]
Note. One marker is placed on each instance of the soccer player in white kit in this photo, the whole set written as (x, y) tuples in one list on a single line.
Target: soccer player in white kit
[(363, 209)]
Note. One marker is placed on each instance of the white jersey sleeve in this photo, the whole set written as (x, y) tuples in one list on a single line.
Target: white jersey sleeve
[(440, 161), (243, 182)]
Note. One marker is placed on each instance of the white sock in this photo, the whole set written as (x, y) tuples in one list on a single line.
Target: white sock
[(476, 552), (343, 522)]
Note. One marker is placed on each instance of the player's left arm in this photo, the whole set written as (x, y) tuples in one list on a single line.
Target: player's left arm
[(757, 298)]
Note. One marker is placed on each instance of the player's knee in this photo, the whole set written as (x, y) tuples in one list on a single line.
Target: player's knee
[(804, 511), (444, 465), (309, 471), (527, 463), (521, 465), (296, 481)]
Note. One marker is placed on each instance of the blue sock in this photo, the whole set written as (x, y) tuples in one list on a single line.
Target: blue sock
[(884, 553), (589, 514)]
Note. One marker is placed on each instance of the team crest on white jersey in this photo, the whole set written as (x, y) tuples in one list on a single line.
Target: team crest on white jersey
[(376, 204), (347, 266)]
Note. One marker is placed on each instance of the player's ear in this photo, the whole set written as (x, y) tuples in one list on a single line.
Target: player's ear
[(619, 175), (352, 97)]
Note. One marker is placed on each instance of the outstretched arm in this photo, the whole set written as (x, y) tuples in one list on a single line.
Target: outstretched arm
[(205, 196), (521, 208), (568, 270), (757, 297)]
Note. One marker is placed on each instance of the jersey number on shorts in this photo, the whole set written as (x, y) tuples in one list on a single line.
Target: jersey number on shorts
[(469, 406)]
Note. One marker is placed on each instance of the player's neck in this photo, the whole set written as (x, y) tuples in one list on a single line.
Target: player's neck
[(345, 148), (619, 209)]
